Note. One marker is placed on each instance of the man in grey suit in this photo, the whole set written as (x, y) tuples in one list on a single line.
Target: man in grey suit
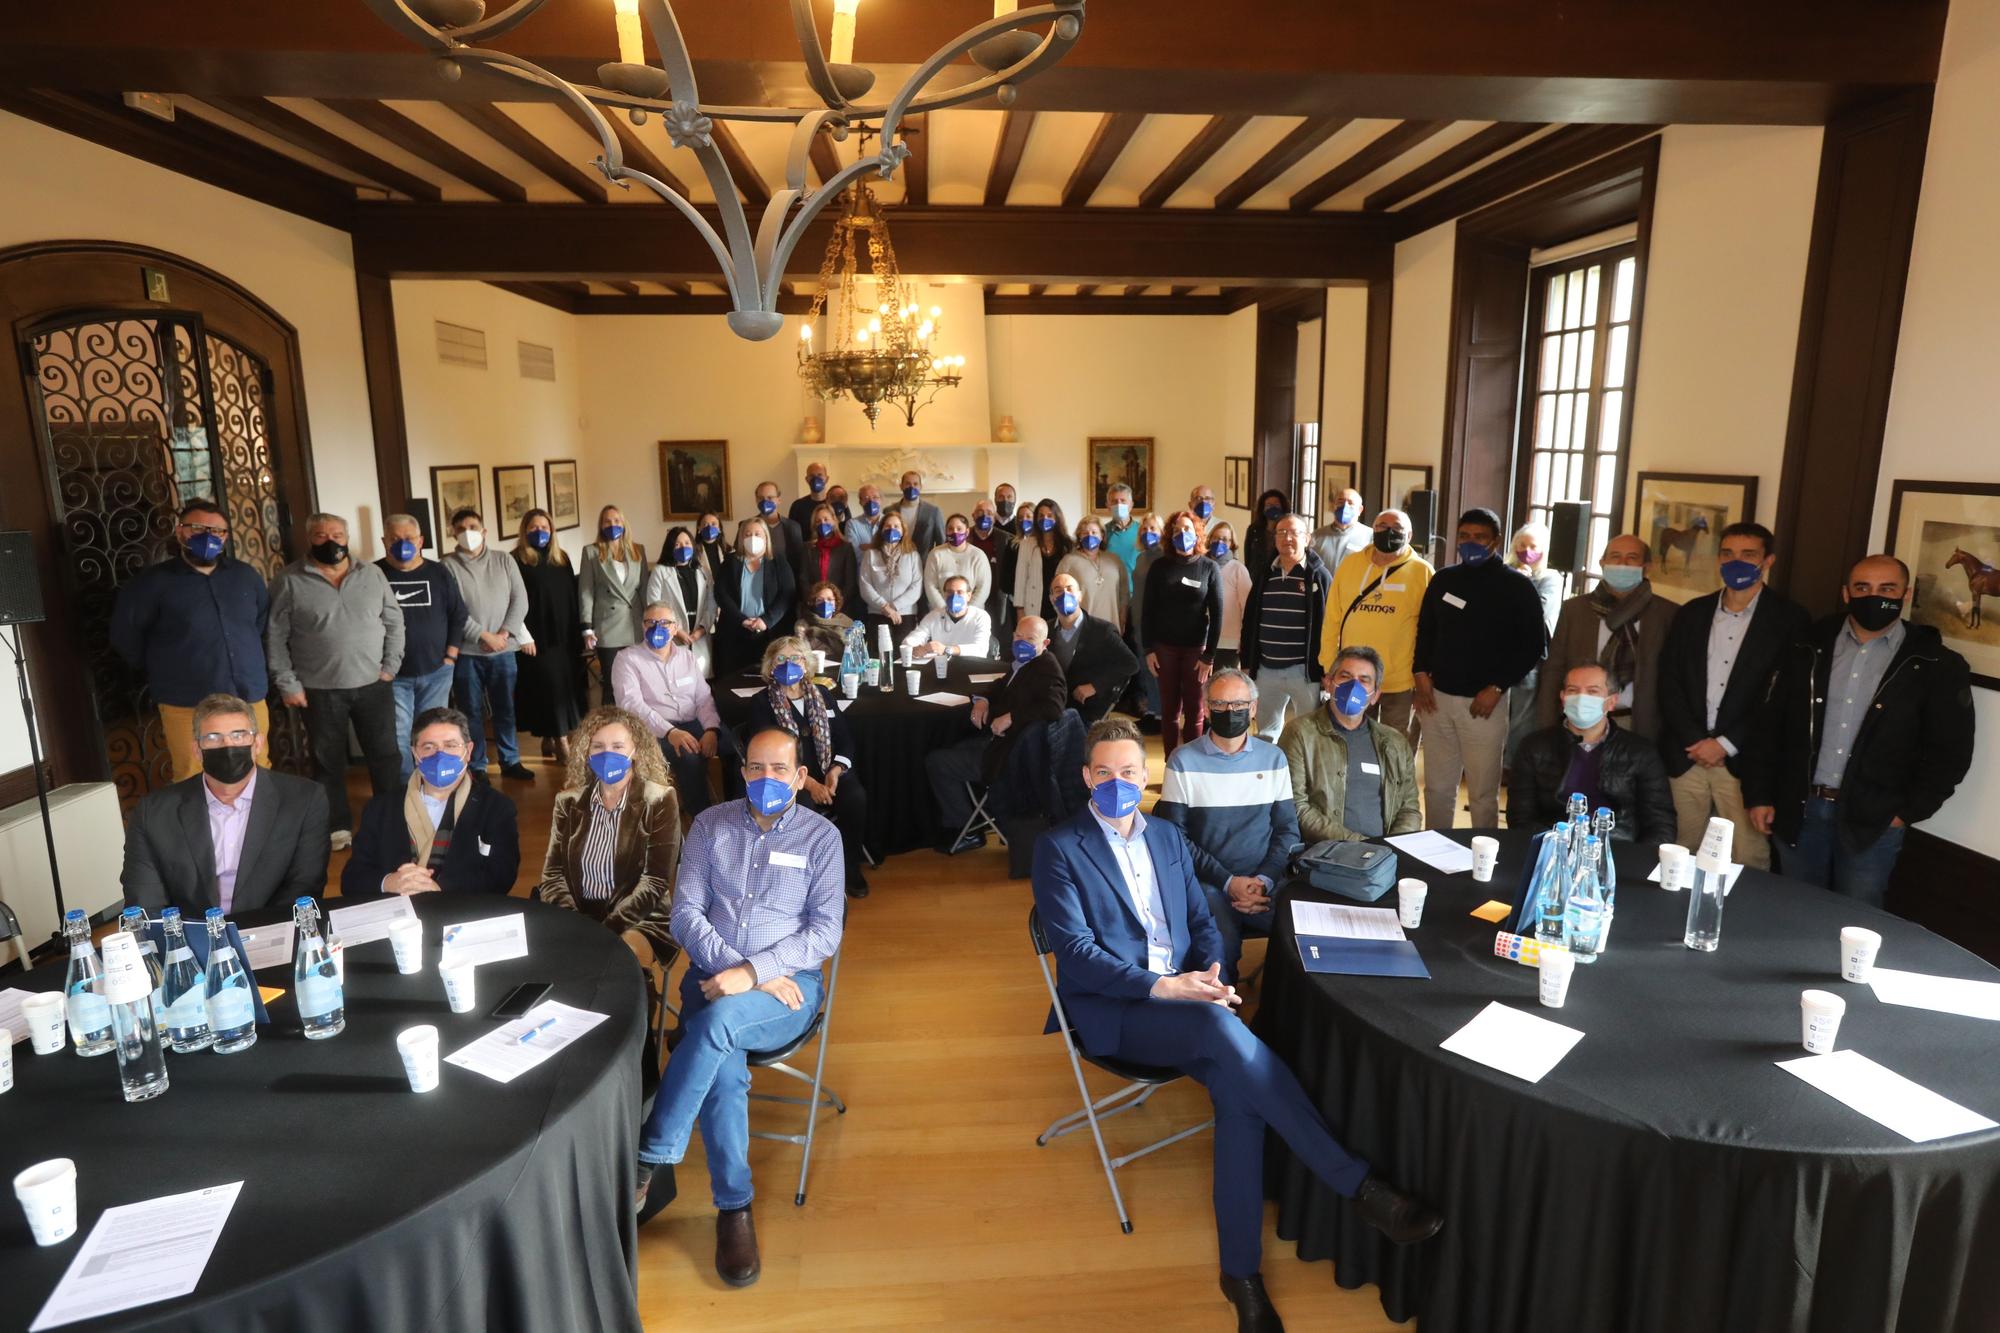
[(234, 836), (920, 516)]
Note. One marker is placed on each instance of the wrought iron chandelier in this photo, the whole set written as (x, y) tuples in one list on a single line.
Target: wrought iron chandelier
[(1010, 47), (881, 346)]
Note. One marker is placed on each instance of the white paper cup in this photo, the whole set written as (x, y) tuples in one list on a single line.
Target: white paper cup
[(419, 1048), (941, 663), (1676, 867), (1556, 967), (874, 672), (45, 1022), (406, 937), (903, 652), (1410, 895), (913, 681), (47, 1191), (6, 1060), (819, 661), (1485, 855), (1821, 1011), (458, 986), (1858, 947), (850, 684)]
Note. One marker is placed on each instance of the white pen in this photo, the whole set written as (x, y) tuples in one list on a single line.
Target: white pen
[(529, 1035)]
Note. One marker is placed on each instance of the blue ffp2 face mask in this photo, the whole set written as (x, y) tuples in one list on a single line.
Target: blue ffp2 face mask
[(984, 523), (788, 674), (540, 539), (1150, 538), (768, 796), (955, 604), (817, 484), (710, 533), (1116, 798), (1204, 508), (824, 608), (871, 507), (892, 535), (1046, 523), (441, 769), (767, 506), (825, 529), (1474, 553), (1351, 697), (1184, 542), (402, 549), (911, 493), (610, 767), (683, 554), (1740, 574), (204, 547), (1066, 603), (1090, 541), (1024, 652), (611, 532), (658, 636)]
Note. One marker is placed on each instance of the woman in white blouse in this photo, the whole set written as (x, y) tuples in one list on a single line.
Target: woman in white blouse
[(682, 582), (610, 586), (957, 555), (1099, 574), (891, 575)]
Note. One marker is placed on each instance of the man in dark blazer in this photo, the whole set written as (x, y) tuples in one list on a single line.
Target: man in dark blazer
[(787, 537), (1096, 661), (1139, 978), (234, 836), (920, 516), (446, 830), (1032, 692), (1716, 671)]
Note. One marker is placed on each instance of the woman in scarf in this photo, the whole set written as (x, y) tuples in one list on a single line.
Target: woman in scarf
[(549, 696), (448, 830), (792, 702), (822, 622), (683, 582)]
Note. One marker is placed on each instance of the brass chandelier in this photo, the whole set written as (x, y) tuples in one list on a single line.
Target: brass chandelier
[(882, 344)]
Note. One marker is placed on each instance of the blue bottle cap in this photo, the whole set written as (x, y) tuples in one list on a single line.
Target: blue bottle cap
[(302, 901), (132, 912), (1602, 812), (212, 914), (170, 914), (73, 914)]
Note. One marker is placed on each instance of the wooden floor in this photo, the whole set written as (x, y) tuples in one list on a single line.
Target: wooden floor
[(929, 1204)]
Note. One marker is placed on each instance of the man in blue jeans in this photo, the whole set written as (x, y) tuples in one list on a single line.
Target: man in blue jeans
[(434, 620), (496, 606), (758, 907)]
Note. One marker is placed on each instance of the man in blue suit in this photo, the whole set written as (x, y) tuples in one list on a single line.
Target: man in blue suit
[(1139, 964)]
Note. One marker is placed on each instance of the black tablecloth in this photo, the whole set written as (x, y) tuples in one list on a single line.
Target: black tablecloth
[(892, 734), (1665, 1176), (478, 1206)]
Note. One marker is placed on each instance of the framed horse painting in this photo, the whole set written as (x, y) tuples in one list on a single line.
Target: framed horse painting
[(1948, 533), (1682, 515)]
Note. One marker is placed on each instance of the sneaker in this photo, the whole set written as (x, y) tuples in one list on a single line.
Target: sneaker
[(340, 839)]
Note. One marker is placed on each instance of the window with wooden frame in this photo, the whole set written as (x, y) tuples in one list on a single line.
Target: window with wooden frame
[(1305, 469), (1576, 411)]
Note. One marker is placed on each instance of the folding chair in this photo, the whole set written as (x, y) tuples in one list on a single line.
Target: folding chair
[(10, 929), (1141, 1082), (980, 821), (822, 1096)]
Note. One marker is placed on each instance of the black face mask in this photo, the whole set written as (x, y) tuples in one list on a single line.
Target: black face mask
[(328, 553), (228, 763), (1230, 724), (1389, 540), (1875, 613)]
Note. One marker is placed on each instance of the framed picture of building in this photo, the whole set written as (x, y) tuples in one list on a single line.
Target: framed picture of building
[(1236, 481), (513, 497), (564, 507), (1681, 515), (453, 487), (1116, 459), (694, 477), (1948, 533)]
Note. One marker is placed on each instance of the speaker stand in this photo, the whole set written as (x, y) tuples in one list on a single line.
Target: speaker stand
[(41, 778)]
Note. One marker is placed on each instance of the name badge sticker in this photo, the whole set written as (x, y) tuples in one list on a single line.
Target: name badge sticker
[(790, 860), (1453, 599), (1372, 770), (1187, 582), (1393, 587)]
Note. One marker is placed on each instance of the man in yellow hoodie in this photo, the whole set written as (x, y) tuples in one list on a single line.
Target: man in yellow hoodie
[(1377, 593)]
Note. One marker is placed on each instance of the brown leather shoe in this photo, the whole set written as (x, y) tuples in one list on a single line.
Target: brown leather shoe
[(736, 1260)]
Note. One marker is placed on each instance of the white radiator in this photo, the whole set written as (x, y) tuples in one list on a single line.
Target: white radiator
[(90, 849)]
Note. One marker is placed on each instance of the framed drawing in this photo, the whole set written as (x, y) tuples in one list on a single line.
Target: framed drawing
[(453, 487), (564, 509), (1681, 515), (1120, 458), (513, 497), (1334, 478), (1402, 479), (694, 477), (1948, 533), (1236, 481)]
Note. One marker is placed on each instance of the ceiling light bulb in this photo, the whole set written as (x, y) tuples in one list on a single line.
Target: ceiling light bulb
[(875, 325), (840, 50), (882, 309), (631, 44), (936, 311), (805, 333), (861, 335)]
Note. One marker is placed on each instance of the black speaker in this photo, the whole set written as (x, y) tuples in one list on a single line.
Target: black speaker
[(1569, 536), (1421, 506), (420, 510), (20, 582)]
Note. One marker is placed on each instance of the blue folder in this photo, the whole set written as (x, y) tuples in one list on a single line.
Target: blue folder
[(1361, 958)]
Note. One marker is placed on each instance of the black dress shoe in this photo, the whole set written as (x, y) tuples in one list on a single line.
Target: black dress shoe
[(858, 886), (1403, 1218), (656, 1190), (736, 1259), (518, 772), (1254, 1311)]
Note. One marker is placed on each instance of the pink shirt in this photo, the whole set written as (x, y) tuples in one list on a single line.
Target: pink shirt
[(665, 693), (226, 826)]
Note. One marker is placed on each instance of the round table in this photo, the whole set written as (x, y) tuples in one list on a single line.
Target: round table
[(893, 731), (1665, 1175), (478, 1206)]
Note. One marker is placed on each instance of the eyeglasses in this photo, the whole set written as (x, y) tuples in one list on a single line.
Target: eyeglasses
[(1231, 708), (429, 748), (212, 529), (211, 739)]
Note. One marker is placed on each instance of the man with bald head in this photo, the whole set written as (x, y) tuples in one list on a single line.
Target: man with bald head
[(1621, 626), (1097, 665), (1031, 692), (1868, 730), (1346, 534), (1376, 596)]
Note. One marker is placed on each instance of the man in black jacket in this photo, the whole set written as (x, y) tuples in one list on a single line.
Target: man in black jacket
[(1869, 730), (1588, 752), (1096, 663), (1283, 622), (1479, 632), (1029, 694), (1715, 674), (447, 830)]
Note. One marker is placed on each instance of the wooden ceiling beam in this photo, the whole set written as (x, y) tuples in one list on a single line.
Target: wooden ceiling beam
[(1379, 152), (1107, 305), (546, 293), (1493, 139), (1287, 153), (1085, 289), (1014, 128), (1207, 140), (825, 161), (637, 152), (916, 167), (1114, 131), (1551, 155), (749, 180), (504, 130), (385, 122), (674, 305), (292, 128), (1037, 288)]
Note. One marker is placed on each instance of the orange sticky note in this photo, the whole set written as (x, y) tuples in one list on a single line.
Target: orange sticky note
[(1492, 910), (271, 994)]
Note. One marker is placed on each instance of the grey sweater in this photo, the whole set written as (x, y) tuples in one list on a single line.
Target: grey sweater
[(495, 598), (326, 638)]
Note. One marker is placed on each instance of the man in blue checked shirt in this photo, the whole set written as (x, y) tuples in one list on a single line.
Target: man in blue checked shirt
[(758, 907)]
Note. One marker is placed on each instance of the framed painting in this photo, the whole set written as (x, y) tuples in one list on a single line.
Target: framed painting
[(1116, 459), (1334, 477), (1681, 515), (513, 497), (1236, 481), (1402, 478), (453, 487), (1948, 533), (564, 507), (694, 477)]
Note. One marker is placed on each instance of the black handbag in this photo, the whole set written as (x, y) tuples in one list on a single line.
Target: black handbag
[(1362, 871)]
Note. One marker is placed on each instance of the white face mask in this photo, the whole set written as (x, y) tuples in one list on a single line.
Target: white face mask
[(471, 540), (753, 546)]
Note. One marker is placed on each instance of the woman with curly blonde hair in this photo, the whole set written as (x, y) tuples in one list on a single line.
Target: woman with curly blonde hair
[(615, 837)]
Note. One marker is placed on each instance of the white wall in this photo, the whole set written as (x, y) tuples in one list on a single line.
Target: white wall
[(1732, 217), (1419, 350), (1946, 396)]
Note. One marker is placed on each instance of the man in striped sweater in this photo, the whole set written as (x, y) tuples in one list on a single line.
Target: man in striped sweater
[(1231, 793)]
